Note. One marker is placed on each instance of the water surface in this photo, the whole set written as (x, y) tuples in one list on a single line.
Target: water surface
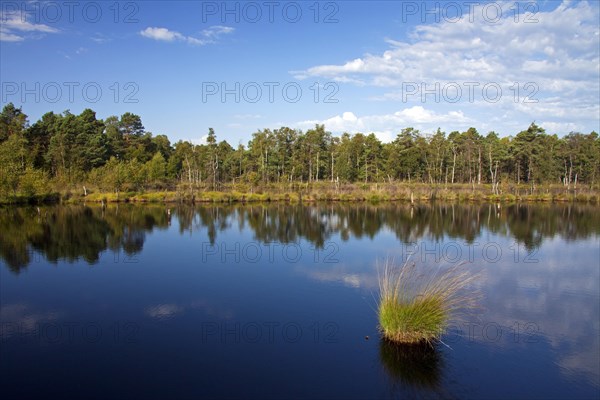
[(277, 301)]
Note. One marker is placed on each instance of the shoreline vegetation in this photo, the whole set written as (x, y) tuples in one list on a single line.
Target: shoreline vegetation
[(323, 192), (79, 158)]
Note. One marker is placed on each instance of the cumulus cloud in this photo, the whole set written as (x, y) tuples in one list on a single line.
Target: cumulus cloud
[(386, 126), (207, 36), (503, 51), (161, 34), (16, 28), (560, 59)]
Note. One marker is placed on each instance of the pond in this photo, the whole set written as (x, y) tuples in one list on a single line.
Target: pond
[(280, 300)]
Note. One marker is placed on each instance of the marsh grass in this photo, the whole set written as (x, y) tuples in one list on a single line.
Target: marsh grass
[(417, 305), (307, 193)]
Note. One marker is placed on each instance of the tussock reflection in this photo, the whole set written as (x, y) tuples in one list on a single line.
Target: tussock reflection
[(418, 366)]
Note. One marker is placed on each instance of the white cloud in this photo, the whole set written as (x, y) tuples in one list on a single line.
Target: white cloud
[(21, 24), (200, 141), (100, 38), (216, 31), (209, 35), (386, 126), (16, 28), (479, 50), (7, 36), (560, 54), (552, 127), (161, 34), (65, 55), (70, 54), (247, 116)]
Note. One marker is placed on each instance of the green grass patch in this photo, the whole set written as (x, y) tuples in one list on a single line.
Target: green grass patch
[(417, 306), (413, 321)]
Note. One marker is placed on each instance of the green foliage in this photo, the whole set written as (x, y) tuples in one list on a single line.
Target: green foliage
[(13, 163), (33, 182), (113, 175), (157, 168), (117, 154), (12, 122)]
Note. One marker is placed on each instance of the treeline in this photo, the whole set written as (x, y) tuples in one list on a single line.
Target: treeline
[(117, 153)]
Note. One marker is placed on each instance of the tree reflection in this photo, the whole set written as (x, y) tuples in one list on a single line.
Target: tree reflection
[(74, 232), (81, 232)]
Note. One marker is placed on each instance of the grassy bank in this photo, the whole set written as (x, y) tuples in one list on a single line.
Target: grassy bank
[(322, 191)]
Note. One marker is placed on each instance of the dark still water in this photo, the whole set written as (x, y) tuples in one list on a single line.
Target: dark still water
[(278, 301)]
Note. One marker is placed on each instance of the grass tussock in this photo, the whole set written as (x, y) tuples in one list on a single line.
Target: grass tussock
[(417, 306)]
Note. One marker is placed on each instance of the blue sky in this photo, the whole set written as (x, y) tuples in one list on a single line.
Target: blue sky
[(361, 66)]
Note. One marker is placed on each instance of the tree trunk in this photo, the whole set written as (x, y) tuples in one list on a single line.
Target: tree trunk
[(496, 179), (453, 164), (479, 169), (331, 166), (309, 167), (317, 171), (187, 161)]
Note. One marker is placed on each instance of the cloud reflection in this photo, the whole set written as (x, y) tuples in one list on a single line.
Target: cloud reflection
[(22, 319), (170, 310)]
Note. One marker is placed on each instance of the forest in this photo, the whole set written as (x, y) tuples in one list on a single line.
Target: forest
[(65, 152)]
